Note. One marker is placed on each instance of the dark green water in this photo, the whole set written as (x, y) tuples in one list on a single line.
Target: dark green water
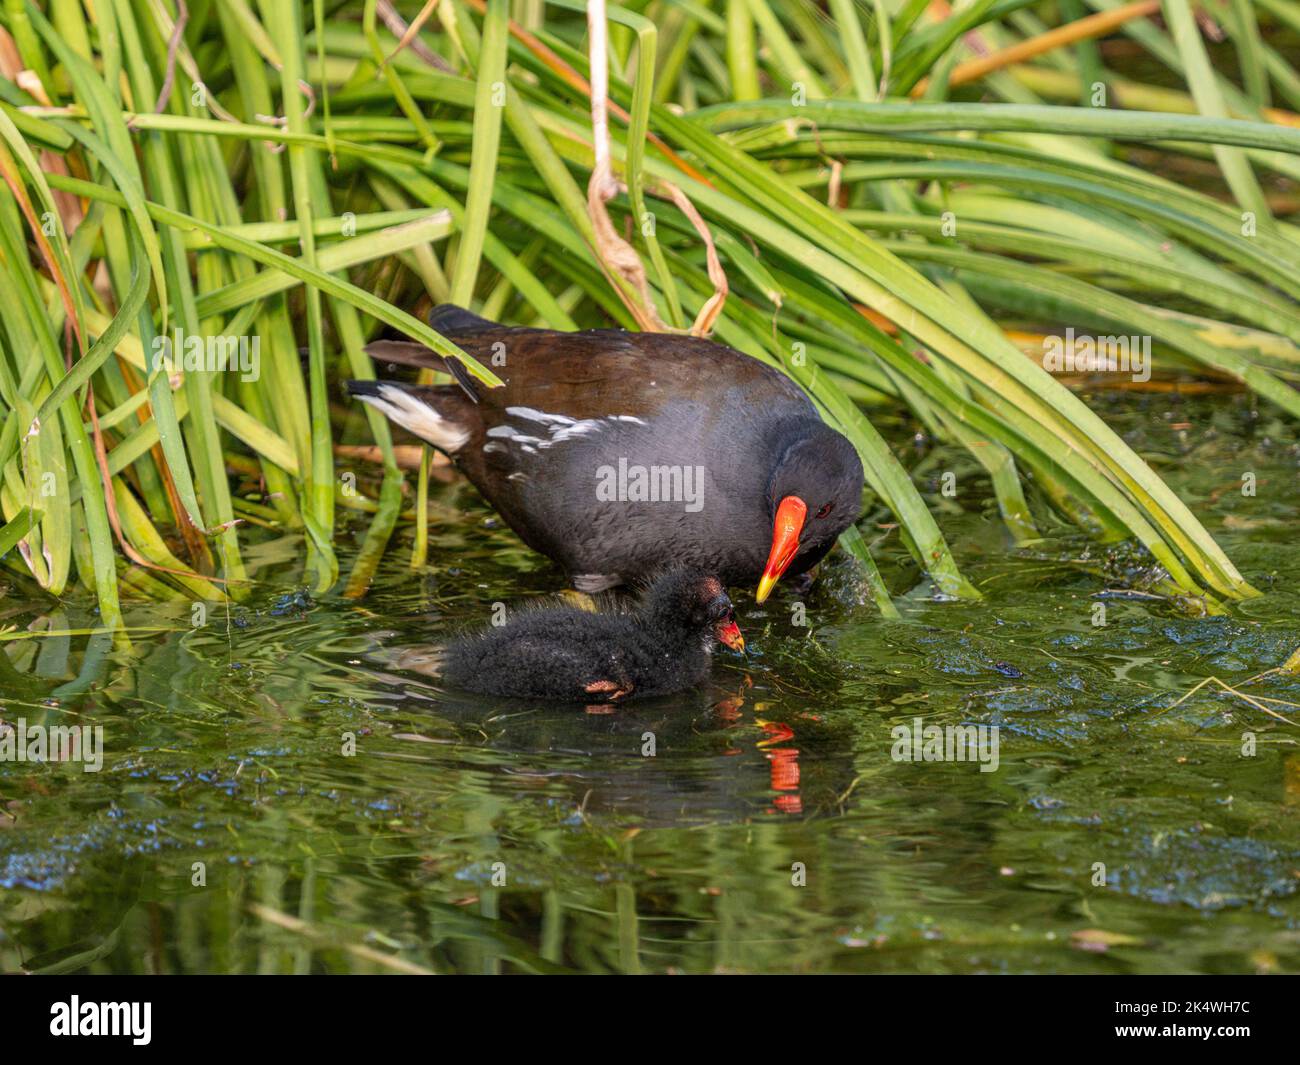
[(224, 746)]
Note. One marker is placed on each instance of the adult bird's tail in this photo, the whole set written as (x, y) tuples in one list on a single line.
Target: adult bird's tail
[(428, 412), (449, 318)]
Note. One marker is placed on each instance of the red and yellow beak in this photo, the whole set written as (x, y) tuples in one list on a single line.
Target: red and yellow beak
[(786, 528), (728, 632)]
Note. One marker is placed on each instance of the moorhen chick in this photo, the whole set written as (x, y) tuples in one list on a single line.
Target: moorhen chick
[(617, 454), (568, 654)]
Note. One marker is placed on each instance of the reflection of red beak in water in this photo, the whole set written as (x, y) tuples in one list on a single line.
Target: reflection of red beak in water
[(728, 633), (784, 766), (786, 527), (728, 710)]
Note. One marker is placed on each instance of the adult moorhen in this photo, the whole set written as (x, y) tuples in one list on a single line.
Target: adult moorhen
[(617, 453), (572, 655)]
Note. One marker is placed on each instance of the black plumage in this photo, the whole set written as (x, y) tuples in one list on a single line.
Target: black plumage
[(617, 454), (567, 654)]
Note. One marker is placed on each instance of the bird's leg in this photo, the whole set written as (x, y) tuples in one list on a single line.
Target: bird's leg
[(579, 600)]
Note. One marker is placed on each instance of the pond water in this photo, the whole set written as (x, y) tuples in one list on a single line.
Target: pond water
[(232, 828)]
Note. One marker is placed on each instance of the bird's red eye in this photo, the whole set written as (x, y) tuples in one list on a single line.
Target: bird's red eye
[(826, 509)]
